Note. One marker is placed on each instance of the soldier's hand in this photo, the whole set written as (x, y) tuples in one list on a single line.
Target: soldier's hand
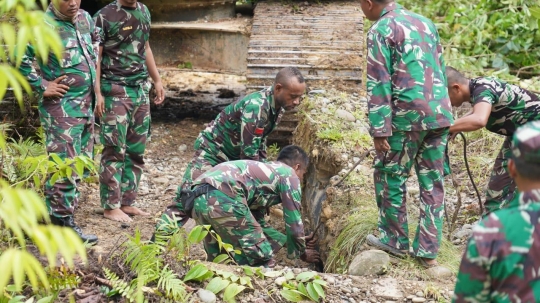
[(381, 144), (310, 256), (100, 105), (311, 240), (160, 93), (452, 136), (55, 89)]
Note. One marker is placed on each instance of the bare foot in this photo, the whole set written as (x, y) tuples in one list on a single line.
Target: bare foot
[(133, 211), (116, 215)]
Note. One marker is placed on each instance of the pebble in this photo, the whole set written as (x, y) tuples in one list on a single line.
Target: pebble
[(206, 296), (161, 180), (330, 280), (420, 294), (355, 290), (297, 271), (467, 226), (419, 300), (345, 115), (182, 148), (279, 281), (346, 290)]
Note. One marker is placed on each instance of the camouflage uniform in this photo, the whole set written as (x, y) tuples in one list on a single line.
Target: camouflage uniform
[(409, 105), (245, 190), (501, 261), (512, 107), (68, 121), (124, 85), (239, 132)]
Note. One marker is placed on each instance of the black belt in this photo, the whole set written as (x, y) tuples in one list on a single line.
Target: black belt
[(187, 196)]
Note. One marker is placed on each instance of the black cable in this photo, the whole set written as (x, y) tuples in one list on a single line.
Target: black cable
[(469, 172)]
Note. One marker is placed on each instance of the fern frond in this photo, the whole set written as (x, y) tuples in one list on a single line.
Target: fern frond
[(123, 288), (172, 285)]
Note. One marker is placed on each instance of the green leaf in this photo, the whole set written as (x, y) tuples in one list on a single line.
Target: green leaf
[(535, 12), (231, 291), (196, 272), (217, 284), (313, 294), (305, 276), (273, 274), (302, 288), (234, 278), (318, 288), (221, 258), (289, 275), (247, 270), (320, 282), (197, 234), (292, 295)]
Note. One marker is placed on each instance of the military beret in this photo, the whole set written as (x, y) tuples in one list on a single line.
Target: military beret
[(526, 143)]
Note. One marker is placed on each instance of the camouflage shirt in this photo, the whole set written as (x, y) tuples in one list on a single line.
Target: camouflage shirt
[(512, 106), (405, 68), (261, 185), (501, 261), (78, 63), (241, 129), (124, 32)]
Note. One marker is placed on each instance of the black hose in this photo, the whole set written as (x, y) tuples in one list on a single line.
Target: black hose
[(470, 174)]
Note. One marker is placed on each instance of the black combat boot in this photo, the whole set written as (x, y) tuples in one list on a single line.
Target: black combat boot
[(69, 222)]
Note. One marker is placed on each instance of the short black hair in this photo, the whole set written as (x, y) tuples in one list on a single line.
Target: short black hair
[(285, 75), (292, 154), (454, 76), (383, 1), (527, 169)]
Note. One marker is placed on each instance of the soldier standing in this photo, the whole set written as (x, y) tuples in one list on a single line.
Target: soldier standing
[(241, 129), (123, 103), (233, 198), (409, 113), (501, 261), (65, 87), (500, 108)]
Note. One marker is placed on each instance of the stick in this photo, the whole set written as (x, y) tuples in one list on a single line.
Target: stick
[(362, 157)]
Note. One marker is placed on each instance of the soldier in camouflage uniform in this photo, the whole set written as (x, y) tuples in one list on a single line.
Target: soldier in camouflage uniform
[(65, 93), (240, 193), (409, 113), (126, 60), (502, 258), (501, 108), (241, 129)]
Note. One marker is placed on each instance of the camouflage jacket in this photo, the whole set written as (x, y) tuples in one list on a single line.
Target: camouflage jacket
[(241, 129), (406, 81), (512, 106), (78, 63), (261, 185), (501, 261), (124, 32)]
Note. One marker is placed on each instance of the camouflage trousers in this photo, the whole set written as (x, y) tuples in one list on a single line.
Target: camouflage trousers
[(424, 149), (67, 137), (124, 132), (239, 226), (501, 188)]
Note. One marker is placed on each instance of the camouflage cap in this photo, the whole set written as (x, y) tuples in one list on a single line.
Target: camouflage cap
[(526, 143)]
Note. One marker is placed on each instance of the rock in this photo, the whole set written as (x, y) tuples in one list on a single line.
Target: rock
[(182, 148), (206, 296), (467, 226), (439, 272), (390, 290), (419, 300), (345, 115), (456, 242), (279, 281), (369, 262), (464, 234), (363, 99), (355, 290), (420, 294), (345, 157), (161, 180), (297, 271), (330, 280)]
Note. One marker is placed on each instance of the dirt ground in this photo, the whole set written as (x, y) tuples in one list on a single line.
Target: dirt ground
[(165, 165)]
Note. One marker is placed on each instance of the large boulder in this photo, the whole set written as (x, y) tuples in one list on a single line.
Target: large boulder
[(369, 262)]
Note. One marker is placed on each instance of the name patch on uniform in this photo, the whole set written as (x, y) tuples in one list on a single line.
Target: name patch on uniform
[(259, 131), (127, 28)]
